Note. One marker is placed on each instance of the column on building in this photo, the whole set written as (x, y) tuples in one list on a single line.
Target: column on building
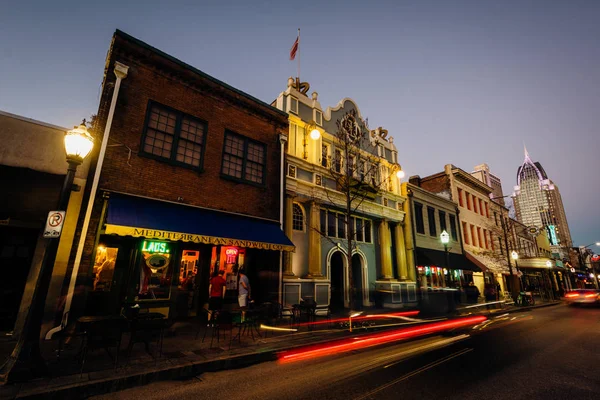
[(288, 271), (400, 252), (314, 243), (410, 247), (385, 249)]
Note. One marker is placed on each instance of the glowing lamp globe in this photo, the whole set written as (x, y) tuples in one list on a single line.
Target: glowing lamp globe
[(515, 255), (445, 237), (78, 144), (400, 174), (315, 134)]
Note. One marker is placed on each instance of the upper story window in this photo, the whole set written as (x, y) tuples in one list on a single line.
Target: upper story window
[(337, 162), (319, 117), (419, 218), (460, 197), (487, 210), (453, 232), (442, 216), (174, 136), (325, 155), (468, 199), (298, 218), (475, 208), (394, 157), (244, 159), (431, 218), (293, 105), (333, 224)]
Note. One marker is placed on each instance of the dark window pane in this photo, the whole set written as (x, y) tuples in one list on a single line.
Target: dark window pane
[(323, 215), (367, 231), (341, 226), (331, 224), (442, 216), (431, 217), (453, 231), (419, 218), (248, 164), (359, 230)]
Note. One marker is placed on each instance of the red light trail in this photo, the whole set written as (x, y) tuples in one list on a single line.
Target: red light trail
[(375, 339)]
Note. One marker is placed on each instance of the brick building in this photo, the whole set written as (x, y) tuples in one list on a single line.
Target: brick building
[(189, 185), (476, 213)]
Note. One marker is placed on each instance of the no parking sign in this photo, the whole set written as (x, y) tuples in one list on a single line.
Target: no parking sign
[(54, 224)]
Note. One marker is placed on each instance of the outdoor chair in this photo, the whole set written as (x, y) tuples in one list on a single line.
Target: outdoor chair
[(221, 324), (147, 331), (102, 334)]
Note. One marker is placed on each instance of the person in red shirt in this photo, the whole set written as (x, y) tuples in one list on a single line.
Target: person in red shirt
[(216, 290)]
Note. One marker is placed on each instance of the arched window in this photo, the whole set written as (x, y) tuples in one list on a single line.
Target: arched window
[(298, 218)]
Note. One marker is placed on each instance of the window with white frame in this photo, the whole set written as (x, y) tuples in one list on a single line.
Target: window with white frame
[(319, 117), (333, 225), (293, 105), (298, 218)]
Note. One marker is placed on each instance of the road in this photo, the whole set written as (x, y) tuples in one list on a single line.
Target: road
[(548, 353)]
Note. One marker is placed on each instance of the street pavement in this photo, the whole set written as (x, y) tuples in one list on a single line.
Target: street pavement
[(547, 353)]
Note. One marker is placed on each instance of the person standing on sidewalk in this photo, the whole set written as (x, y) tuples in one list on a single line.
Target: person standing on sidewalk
[(243, 292), (216, 291)]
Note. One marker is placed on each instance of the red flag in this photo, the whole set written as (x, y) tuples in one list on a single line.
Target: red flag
[(294, 48)]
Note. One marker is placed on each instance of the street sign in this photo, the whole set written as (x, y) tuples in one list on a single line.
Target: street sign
[(54, 224)]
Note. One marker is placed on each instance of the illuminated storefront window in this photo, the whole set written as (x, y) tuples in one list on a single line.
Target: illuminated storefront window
[(104, 268), (155, 271)]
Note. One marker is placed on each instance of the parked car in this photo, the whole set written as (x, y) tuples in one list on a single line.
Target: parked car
[(583, 296)]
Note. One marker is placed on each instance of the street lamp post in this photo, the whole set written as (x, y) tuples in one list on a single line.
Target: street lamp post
[(445, 238), (515, 257), (26, 360)]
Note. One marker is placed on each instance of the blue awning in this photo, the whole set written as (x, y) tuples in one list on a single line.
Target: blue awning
[(155, 219)]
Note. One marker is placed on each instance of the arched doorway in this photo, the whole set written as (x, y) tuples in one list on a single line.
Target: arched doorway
[(337, 281), (357, 277)]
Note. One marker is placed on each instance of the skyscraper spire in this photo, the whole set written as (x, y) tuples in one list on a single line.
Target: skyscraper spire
[(526, 153)]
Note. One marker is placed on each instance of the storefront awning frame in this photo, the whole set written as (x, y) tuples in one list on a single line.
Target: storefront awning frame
[(161, 220)]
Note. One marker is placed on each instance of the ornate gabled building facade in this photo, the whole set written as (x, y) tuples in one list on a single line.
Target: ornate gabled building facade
[(538, 203), (316, 212)]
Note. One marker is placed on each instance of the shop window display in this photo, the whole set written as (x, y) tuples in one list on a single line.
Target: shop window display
[(104, 268), (155, 274)]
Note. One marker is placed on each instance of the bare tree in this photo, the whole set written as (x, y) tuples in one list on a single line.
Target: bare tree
[(357, 175)]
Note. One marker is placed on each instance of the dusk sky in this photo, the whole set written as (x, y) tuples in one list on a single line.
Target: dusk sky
[(461, 82)]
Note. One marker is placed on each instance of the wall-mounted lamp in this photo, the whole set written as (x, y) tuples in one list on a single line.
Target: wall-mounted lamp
[(312, 130)]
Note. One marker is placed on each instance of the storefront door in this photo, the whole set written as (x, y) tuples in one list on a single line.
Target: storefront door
[(110, 276)]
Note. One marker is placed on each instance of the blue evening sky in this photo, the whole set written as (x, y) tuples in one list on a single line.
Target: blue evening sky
[(454, 81)]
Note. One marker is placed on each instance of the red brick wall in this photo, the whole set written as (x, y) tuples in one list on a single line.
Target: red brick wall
[(158, 179), (152, 76), (436, 184)]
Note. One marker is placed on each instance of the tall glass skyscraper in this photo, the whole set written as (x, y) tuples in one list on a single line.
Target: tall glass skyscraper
[(538, 203)]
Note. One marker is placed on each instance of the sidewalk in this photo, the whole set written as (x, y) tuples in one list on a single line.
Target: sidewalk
[(184, 356), (501, 307)]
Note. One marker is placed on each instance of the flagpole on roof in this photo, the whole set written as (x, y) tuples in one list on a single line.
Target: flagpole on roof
[(298, 58)]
